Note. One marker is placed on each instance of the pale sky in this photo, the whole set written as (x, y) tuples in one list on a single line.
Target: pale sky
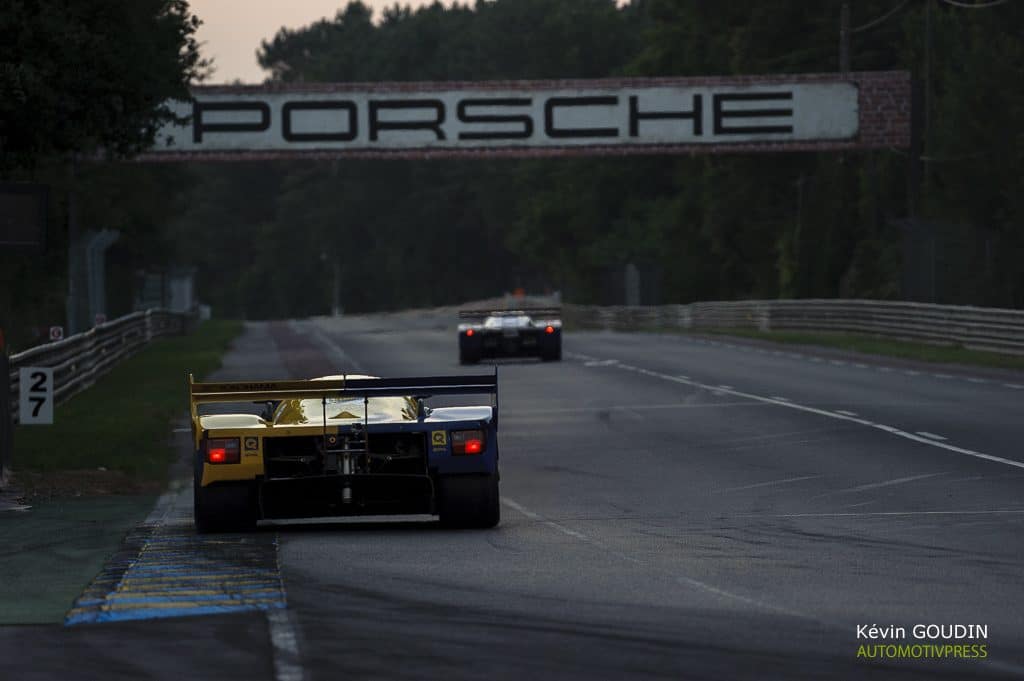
[(232, 29)]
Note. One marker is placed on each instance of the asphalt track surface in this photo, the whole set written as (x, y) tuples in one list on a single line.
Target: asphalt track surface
[(673, 507)]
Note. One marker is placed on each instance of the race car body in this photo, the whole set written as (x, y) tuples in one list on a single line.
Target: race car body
[(534, 332), (345, 445)]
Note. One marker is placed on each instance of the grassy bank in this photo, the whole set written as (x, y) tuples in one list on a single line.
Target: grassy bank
[(922, 352), (121, 423)]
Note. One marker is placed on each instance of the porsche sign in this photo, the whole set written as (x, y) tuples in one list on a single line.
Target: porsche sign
[(518, 118)]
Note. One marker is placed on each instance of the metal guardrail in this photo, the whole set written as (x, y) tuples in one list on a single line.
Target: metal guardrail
[(977, 328), (79, 360)]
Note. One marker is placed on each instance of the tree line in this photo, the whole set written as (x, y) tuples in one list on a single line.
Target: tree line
[(940, 222)]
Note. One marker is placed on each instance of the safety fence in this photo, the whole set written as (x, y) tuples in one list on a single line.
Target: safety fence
[(979, 328), (77, 361)]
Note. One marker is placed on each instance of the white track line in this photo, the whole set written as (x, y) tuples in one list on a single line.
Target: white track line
[(821, 412), (772, 483), (285, 646), (887, 483), (932, 436), (550, 523), (865, 514), (689, 581), (580, 356), (846, 413), (339, 357), (619, 407)]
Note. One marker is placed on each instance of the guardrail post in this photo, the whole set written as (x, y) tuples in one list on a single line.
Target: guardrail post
[(6, 427)]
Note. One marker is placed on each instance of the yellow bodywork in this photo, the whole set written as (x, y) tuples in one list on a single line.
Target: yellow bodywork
[(299, 413)]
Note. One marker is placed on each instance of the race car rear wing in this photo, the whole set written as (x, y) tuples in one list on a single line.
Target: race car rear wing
[(265, 391), (537, 312), (344, 387)]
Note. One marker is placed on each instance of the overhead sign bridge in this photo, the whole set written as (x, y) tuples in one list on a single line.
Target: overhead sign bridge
[(541, 118)]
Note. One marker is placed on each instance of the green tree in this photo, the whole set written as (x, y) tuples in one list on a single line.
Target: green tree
[(88, 76)]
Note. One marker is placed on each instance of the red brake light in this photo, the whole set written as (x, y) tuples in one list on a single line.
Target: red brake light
[(469, 332), (549, 329), (468, 442), (223, 450)]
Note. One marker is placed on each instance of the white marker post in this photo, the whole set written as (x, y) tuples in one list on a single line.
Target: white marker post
[(35, 406)]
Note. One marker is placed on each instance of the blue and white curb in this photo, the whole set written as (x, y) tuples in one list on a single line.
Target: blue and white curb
[(165, 569)]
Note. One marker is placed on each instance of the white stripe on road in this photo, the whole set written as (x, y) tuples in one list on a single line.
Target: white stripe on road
[(342, 361), (285, 646), (821, 412), (887, 483), (846, 413), (550, 523), (933, 436), (864, 514), (509, 413), (689, 581), (772, 483)]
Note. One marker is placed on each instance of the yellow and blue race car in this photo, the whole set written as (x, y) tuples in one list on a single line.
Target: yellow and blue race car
[(344, 446)]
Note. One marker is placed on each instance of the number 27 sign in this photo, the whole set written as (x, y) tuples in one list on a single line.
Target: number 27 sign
[(36, 404)]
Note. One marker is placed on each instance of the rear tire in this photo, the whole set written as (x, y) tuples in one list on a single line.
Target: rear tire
[(467, 358), (553, 354), (224, 507), (469, 501)]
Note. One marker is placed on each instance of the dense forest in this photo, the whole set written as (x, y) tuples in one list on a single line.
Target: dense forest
[(943, 222)]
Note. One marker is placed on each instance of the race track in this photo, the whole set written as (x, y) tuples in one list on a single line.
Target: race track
[(673, 507)]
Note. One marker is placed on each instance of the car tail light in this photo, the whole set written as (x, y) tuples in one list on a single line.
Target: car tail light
[(467, 442), (223, 450), (549, 329), (469, 332)]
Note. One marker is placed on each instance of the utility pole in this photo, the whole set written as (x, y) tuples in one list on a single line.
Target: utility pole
[(6, 429), (926, 115), (336, 290), (74, 255), (844, 37)]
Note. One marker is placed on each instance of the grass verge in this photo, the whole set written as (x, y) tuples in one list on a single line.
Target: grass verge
[(114, 436), (922, 352), (53, 550)]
